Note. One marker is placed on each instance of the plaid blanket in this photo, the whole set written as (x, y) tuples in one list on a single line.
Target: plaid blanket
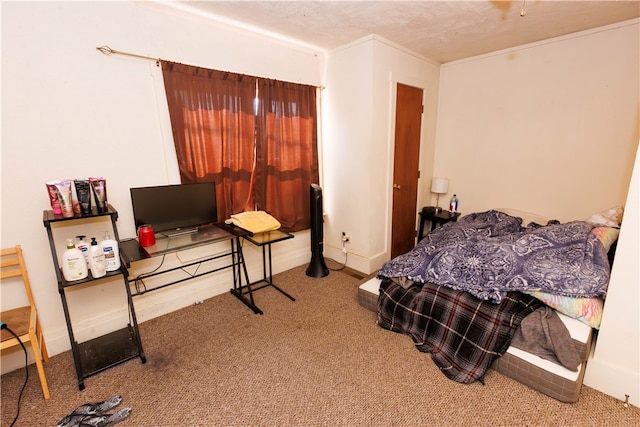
[(463, 334)]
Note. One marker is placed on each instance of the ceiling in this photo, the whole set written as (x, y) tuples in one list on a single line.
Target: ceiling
[(442, 31)]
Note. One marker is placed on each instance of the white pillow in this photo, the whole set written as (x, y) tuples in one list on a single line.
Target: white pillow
[(612, 217)]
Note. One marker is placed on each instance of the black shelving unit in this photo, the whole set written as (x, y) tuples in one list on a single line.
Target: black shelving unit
[(100, 353)]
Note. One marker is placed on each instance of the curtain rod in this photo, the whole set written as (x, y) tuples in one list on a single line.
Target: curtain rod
[(108, 51)]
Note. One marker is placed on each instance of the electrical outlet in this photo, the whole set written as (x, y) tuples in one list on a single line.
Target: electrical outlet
[(345, 237)]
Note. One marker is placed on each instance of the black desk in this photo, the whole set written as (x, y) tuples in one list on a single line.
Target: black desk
[(441, 217), (263, 240), (131, 252)]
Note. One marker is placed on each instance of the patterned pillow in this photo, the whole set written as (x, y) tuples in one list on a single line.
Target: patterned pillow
[(586, 310), (607, 235)]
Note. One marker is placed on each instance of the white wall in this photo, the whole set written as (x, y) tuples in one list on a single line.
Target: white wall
[(615, 366), (347, 108), (69, 111), (550, 127), (358, 124)]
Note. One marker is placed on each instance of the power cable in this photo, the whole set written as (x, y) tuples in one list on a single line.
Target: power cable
[(26, 368), (346, 255)]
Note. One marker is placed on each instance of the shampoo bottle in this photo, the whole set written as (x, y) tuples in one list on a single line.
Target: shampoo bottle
[(96, 259), (74, 266), (111, 252)]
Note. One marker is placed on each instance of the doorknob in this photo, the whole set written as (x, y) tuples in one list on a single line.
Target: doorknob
[(396, 186)]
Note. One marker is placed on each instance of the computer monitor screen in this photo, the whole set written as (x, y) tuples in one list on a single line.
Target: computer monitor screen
[(175, 209)]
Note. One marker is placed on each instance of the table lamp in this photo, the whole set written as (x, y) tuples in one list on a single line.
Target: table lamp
[(439, 186)]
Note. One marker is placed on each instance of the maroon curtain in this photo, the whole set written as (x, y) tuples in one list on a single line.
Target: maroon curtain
[(286, 151), (213, 122), (262, 158)]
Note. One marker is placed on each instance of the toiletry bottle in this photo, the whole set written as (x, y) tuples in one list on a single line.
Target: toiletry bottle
[(96, 259), (453, 204), (83, 247), (111, 252), (74, 266)]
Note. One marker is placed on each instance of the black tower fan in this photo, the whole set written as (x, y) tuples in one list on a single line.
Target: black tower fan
[(317, 266)]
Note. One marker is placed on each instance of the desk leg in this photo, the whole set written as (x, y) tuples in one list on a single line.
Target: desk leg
[(264, 270), (238, 288), (133, 320)]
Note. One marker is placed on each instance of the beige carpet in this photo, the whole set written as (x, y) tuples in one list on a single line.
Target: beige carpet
[(318, 361)]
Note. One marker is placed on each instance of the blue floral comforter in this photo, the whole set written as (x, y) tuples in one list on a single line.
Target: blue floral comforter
[(489, 254)]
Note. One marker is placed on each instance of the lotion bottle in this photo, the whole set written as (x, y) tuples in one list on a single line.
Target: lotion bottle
[(96, 259), (111, 252), (83, 247), (74, 266)]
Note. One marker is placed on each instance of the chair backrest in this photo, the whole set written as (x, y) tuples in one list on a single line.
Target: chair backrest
[(13, 266)]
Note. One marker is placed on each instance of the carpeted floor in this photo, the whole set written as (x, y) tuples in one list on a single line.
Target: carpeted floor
[(318, 361)]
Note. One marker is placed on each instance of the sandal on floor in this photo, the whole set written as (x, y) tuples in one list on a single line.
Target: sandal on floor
[(81, 412), (117, 416), (101, 420), (88, 420), (99, 407)]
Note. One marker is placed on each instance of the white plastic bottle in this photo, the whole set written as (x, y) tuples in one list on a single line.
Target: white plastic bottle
[(453, 204), (96, 260), (74, 266), (83, 247), (111, 252)]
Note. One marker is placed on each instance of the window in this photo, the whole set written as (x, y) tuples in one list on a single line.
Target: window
[(255, 138)]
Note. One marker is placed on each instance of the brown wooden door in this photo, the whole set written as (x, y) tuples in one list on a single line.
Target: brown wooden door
[(405, 168)]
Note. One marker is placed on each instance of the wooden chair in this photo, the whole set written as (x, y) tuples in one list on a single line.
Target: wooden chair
[(23, 320)]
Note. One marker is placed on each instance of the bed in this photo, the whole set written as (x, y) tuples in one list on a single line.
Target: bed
[(488, 292)]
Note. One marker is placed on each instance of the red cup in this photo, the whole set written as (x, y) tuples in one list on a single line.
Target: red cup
[(146, 236)]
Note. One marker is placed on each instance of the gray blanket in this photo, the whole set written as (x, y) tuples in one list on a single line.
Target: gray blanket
[(489, 254), (542, 333)]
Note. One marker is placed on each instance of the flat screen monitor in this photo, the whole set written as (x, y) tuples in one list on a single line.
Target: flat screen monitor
[(175, 209)]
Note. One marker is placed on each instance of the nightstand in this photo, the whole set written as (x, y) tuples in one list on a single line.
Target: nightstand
[(436, 218)]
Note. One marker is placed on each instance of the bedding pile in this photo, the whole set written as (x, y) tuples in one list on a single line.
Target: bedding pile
[(489, 254), (463, 291)]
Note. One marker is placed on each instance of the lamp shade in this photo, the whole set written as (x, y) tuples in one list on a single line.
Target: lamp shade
[(439, 185)]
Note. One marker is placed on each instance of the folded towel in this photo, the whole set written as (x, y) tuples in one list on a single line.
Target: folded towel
[(254, 221)]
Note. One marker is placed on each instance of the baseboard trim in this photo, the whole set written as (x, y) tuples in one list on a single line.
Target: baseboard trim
[(613, 380)]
